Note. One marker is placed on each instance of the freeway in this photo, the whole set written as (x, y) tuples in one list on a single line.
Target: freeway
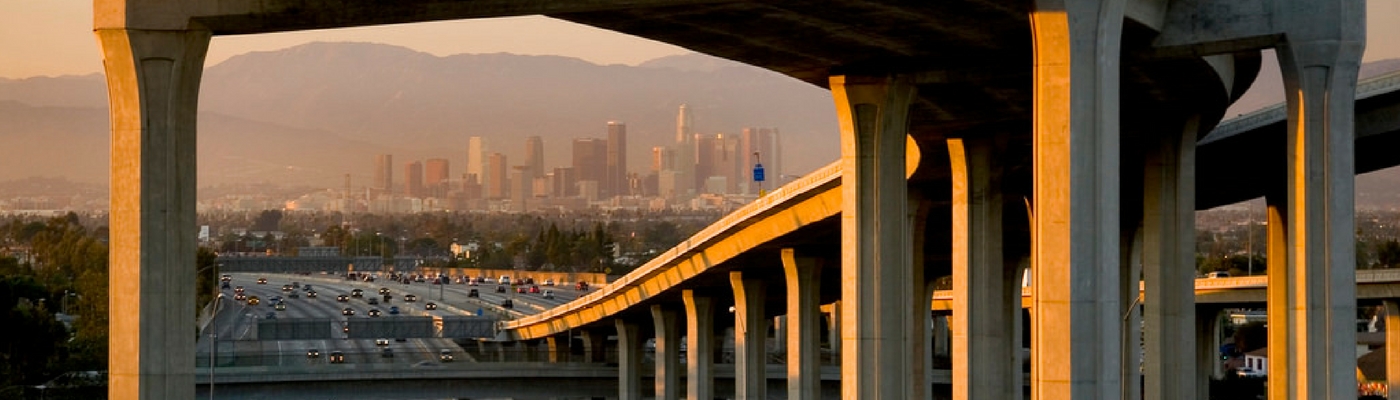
[(236, 322)]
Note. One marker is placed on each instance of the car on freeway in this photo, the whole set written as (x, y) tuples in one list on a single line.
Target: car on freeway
[(296, 285), (293, 295), (238, 289), (240, 297), (313, 353), (534, 289), (286, 288), (521, 290), (1249, 373), (507, 303), (342, 298), (430, 306), (357, 293), (223, 285), (394, 310), (337, 357), (549, 282), (500, 289), (253, 300), (311, 294), (400, 340), (471, 282), (226, 278), (262, 281), (581, 285), (383, 290), (504, 280), (445, 355), (374, 312), (549, 294), (347, 311), (473, 293), (280, 306), (420, 279), (373, 301), (345, 328), (306, 287), (528, 281), (387, 353), (381, 342), (410, 298)]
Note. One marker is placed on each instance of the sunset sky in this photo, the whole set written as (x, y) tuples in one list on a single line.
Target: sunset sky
[(54, 37)]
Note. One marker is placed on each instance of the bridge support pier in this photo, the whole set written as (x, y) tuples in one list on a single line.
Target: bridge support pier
[(802, 332), (153, 81), (700, 346), (881, 320), (1207, 350), (750, 334), (668, 360), (1077, 325), (552, 349), (592, 346), (1313, 296), (1392, 347), (1169, 198), (986, 294), (629, 361), (833, 328)]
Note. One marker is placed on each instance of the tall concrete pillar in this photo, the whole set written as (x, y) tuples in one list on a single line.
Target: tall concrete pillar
[(750, 331), (592, 346), (501, 351), (880, 322), (1131, 312), (1076, 190), (1316, 288), (942, 336), (803, 276), (833, 329), (1168, 258), (1208, 360), (700, 346), (629, 361), (153, 90), (552, 349), (668, 357), (986, 294), (1392, 347), (779, 339)]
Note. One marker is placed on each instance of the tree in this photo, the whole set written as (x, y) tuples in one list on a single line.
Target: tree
[(1388, 253)]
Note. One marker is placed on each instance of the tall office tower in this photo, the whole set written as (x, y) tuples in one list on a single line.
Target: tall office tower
[(435, 178), (763, 141), (345, 196), (497, 186), (384, 172), (413, 179), (565, 182), (704, 162), (617, 160), (725, 161), (685, 152), (521, 188), (534, 155), (470, 188), (590, 160), (663, 158), (476, 158)]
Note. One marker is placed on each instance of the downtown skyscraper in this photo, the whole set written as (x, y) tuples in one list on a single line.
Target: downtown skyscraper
[(684, 178), (534, 156), (616, 179), (476, 158), (760, 145), (413, 179), (384, 172)]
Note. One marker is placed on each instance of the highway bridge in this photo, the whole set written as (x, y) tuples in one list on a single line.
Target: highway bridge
[(978, 138)]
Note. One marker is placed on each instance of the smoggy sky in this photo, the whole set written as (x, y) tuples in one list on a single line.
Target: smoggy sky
[(54, 37)]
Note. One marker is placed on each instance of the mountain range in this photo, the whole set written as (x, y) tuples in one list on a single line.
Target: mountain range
[(308, 115)]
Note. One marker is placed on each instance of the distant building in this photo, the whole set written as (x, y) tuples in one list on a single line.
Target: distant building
[(435, 177), (521, 188), (534, 155), (476, 158), (565, 182), (766, 144), (590, 159), (384, 172), (685, 151), (496, 176), (616, 180), (413, 179)]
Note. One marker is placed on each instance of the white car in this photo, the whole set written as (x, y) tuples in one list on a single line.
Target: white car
[(381, 342), (1247, 372)]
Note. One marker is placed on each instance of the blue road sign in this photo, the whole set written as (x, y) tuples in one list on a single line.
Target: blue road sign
[(758, 173)]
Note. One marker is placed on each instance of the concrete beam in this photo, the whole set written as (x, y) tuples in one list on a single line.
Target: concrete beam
[(750, 334), (1077, 331), (1392, 347), (668, 360), (803, 276), (986, 293), (700, 346), (880, 322), (153, 87), (1316, 286), (1169, 249)]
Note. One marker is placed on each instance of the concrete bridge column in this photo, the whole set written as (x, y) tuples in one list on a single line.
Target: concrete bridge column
[(942, 335), (779, 339), (750, 332), (629, 361), (1314, 293), (803, 276), (1168, 258), (1208, 360), (153, 90), (668, 358), (1392, 347), (700, 346), (986, 293), (833, 328), (593, 346), (880, 322), (552, 349), (1077, 325), (501, 351)]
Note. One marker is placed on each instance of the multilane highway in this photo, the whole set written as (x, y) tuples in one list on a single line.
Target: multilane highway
[(236, 322)]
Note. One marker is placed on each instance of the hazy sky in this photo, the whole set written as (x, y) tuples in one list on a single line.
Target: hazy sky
[(54, 37)]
